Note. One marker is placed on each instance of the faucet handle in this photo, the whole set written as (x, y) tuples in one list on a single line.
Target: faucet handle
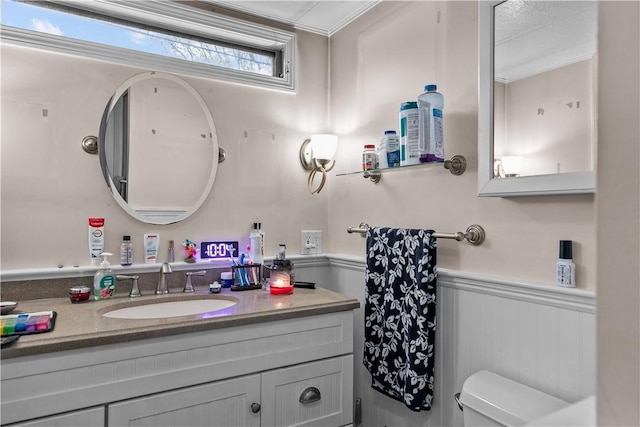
[(188, 287), (196, 273), (135, 292)]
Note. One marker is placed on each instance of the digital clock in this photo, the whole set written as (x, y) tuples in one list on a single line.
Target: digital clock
[(218, 250)]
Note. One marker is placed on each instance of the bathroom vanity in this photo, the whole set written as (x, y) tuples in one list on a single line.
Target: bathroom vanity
[(266, 361)]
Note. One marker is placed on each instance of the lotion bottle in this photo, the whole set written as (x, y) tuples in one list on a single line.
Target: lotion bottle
[(255, 243), (566, 269), (104, 282)]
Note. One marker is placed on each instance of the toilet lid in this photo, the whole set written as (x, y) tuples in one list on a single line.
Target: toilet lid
[(506, 401)]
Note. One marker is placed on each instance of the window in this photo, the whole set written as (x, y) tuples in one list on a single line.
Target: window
[(161, 35)]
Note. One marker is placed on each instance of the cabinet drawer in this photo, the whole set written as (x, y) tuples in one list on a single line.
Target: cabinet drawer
[(93, 417), (329, 394)]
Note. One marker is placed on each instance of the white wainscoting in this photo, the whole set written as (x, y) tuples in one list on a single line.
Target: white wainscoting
[(541, 336)]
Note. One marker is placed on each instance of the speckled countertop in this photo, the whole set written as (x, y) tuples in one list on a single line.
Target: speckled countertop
[(82, 325)]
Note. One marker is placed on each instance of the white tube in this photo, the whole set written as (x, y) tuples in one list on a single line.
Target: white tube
[(96, 239), (151, 244)]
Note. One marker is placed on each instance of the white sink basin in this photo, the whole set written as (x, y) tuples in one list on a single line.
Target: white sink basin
[(171, 309)]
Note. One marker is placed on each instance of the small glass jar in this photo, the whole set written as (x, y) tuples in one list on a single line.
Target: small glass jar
[(78, 294), (369, 158), (227, 279), (280, 277)]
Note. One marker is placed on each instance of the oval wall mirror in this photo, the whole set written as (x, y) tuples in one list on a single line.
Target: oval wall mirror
[(158, 148), (537, 97)]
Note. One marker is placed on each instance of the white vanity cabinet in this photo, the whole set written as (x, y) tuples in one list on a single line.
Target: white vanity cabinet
[(269, 399), (214, 377)]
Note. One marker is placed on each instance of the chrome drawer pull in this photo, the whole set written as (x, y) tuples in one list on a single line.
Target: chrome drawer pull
[(310, 395)]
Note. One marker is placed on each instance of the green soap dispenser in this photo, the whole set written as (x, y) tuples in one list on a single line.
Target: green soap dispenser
[(104, 282)]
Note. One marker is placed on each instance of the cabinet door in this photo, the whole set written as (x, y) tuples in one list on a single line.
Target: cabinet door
[(223, 403), (311, 394), (93, 417)]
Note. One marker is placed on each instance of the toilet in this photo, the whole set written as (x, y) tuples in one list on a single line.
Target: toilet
[(488, 399)]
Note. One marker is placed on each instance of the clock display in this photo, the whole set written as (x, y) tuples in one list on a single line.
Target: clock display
[(217, 250)]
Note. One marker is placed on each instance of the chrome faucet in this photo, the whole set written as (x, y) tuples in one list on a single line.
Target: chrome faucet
[(188, 287), (135, 292), (162, 282)]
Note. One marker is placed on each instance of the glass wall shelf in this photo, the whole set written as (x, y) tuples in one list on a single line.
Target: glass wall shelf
[(457, 165)]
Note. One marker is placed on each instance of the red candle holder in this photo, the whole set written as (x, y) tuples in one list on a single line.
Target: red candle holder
[(280, 282)]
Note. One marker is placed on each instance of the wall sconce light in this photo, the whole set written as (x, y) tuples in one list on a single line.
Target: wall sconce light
[(512, 165), (507, 166), (316, 155)]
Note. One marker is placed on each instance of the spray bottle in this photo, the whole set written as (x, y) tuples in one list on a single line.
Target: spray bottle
[(566, 269)]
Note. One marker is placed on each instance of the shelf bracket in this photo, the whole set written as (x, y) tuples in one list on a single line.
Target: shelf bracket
[(374, 176), (457, 165)]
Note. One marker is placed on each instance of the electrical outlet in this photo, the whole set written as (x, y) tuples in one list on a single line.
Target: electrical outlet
[(310, 242)]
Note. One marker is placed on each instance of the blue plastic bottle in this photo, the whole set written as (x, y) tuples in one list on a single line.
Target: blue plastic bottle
[(430, 126)]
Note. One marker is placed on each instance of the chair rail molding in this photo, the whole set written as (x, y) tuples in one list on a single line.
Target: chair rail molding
[(539, 293)]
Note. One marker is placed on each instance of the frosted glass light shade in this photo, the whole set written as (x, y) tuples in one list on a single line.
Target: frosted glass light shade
[(324, 146), (512, 165)]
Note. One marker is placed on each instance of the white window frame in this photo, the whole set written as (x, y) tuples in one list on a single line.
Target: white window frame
[(177, 17)]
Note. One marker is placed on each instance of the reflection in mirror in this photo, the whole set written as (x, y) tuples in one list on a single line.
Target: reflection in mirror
[(538, 65), (158, 148), (544, 85)]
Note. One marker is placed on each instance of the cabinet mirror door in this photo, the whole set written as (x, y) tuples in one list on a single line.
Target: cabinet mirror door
[(537, 97)]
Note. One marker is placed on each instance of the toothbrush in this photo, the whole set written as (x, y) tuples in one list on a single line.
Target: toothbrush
[(253, 270), (234, 262), (238, 272), (244, 270)]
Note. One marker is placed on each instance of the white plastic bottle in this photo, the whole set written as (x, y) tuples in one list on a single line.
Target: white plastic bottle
[(104, 282), (389, 150), (261, 231), (566, 269), (430, 125), (369, 157), (255, 244)]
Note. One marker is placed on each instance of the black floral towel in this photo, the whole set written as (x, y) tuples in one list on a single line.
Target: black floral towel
[(400, 314)]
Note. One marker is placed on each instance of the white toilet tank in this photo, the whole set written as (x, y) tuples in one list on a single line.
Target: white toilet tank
[(489, 399)]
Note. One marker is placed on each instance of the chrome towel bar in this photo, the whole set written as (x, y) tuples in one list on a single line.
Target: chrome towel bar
[(474, 234)]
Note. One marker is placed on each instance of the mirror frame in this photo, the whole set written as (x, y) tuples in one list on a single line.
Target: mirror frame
[(535, 185), (160, 217)]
